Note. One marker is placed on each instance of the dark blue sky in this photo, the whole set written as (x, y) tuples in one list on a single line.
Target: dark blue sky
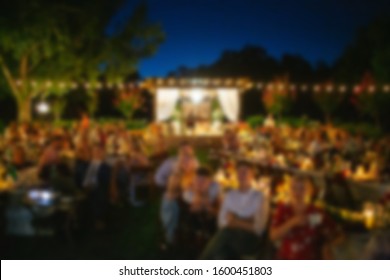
[(197, 31)]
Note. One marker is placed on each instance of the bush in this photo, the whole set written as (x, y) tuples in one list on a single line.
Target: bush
[(255, 121)]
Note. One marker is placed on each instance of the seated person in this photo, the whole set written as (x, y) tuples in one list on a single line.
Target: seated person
[(298, 228), (242, 220)]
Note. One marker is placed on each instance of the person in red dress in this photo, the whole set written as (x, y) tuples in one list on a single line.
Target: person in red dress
[(299, 229)]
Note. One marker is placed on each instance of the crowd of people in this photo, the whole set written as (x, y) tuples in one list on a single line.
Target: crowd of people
[(254, 196)]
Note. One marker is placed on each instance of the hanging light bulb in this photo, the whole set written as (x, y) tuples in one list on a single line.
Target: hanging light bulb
[(270, 86), (43, 107), (342, 88), (329, 88)]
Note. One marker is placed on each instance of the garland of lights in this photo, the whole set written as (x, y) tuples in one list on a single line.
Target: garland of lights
[(317, 88)]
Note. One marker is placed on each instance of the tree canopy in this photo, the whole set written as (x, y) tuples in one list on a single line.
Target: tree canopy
[(44, 40)]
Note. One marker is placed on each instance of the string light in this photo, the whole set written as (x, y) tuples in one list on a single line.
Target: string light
[(329, 88), (98, 85), (245, 84), (270, 86), (342, 88)]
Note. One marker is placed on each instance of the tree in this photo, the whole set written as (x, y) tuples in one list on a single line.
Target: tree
[(368, 52), (369, 101), (130, 100), (277, 97), (328, 99), (44, 42)]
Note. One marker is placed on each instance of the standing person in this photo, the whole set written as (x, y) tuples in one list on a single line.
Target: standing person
[(300, 230), (97, 183), (242, 220), (185, 154), (170, 210)]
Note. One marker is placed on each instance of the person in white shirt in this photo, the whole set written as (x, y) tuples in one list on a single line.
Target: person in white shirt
[(241, 221)]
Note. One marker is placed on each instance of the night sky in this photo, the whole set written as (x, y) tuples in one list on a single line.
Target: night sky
[(198, 31)]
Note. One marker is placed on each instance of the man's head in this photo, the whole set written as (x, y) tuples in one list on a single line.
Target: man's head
[(203, 178), (244, 175)]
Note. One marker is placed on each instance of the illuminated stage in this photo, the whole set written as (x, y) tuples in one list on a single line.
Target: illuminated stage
[(197, 108)]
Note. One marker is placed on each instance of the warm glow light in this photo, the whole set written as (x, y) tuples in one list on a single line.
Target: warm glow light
[(329, 88), (217, 82), (342, 88), (270, 86), (197, 95), (61, 85), (260, 86), (304, 87), (316, 88), (18, 83), (49, 84), (74, 86), (292, 87), (281, 86), (98, 85), (386, 88), (371, 89), (43, 108)]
